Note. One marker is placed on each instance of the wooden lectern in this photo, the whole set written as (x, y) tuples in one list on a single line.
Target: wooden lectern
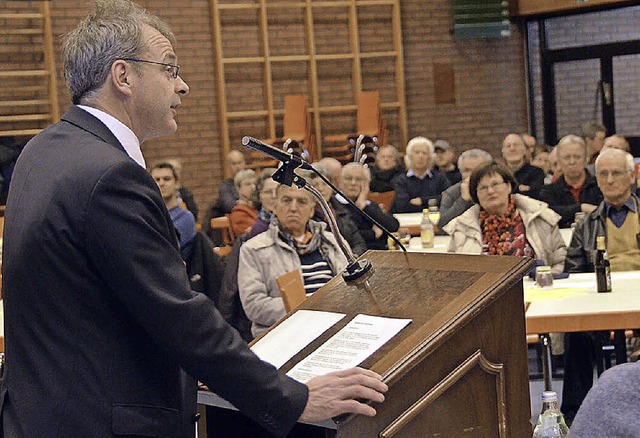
[(460, 368)]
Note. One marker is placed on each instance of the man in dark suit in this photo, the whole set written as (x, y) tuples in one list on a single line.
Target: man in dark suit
[(103, 335)]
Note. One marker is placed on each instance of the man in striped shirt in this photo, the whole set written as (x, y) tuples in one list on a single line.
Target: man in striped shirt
[(292, 242)]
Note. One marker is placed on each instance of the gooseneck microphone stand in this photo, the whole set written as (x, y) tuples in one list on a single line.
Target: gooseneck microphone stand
[(356, 269)]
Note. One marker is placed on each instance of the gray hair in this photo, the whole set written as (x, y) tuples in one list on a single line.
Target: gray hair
[(413, 143), (396, 154), (243, 175), (474, 153), (321, 169), (112, 31), (617, 153), (365, 170), (573, 139)]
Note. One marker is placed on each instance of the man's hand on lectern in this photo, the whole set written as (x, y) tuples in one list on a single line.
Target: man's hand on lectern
[(338, 393)]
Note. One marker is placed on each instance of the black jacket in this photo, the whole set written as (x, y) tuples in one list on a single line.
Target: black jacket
[(382, 180), (583, 241), (205, 268), (229, 300), (366, 227), (531, 176), (101, 322), (558, 196)]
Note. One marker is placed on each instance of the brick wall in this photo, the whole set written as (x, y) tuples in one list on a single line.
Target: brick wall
[(490, 97)]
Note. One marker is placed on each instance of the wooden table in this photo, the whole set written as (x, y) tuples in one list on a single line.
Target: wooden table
[(586, 310)]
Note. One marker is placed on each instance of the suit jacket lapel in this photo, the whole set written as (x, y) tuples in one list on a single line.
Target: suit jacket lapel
[(87, 122)]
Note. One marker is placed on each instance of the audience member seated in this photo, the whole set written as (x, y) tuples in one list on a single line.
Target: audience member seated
[(554, 164), (385, 169), (530, 143), (611, 406), (575, 190), (593, 134), (264, 199), (293, 241), (617, 219), (354, 183), (504, 223), (415, 188), (229, 302), (530, 178), (615, 141), (184, 194), (347, 228), (445, 161), (540, 159), (244, 214), (333, 166), (457, 199), (228, 193), (185, 224)]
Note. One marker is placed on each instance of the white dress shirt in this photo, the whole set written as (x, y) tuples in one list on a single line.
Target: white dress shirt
[(125, 136)]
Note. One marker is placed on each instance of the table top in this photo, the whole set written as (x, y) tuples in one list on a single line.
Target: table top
[(573, 304)]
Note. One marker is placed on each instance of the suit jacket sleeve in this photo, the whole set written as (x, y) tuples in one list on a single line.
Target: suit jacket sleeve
[(148, 279)]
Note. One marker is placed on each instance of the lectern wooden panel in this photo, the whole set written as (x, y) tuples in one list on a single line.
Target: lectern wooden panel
[(460, 367)]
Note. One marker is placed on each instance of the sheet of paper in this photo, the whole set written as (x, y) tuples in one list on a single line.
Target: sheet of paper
[(295, 333), (533, 293), (358, 340)]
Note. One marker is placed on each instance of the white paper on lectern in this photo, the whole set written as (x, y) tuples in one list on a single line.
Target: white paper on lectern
[(293, 334), (348, 348)]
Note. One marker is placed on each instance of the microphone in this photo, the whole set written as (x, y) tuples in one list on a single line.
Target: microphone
[(275, 153)]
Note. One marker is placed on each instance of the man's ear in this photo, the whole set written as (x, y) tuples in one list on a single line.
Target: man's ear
[(120, 75)]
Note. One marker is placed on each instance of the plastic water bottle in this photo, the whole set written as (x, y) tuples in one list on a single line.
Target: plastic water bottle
[(427, 230), (551, 422), (434, 211)]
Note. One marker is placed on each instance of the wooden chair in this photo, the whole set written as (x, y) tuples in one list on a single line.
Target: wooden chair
[(296, 126), (222, 223), (291, 289), (385, 199), (369, 123)]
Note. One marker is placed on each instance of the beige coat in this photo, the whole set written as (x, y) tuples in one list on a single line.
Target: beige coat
[(263, 259), (540, 223)]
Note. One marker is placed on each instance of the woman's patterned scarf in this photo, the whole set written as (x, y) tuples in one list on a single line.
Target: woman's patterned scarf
[(504, 234)]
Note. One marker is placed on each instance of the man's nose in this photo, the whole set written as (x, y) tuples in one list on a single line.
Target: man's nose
[(181, 86)]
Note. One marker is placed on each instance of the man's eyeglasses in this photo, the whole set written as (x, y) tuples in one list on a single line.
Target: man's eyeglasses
[(173, 69)]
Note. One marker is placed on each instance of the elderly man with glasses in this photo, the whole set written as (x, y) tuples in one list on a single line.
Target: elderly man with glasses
[(617, 219)]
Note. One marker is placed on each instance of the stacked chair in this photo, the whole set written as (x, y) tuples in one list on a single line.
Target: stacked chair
[(369, 123), (297, 132)]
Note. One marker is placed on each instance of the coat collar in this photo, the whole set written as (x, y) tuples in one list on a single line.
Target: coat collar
[(87, 122)]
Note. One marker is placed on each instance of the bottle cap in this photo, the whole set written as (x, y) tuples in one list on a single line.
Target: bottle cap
[(549, 396), (425, 210), (433, 202)]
